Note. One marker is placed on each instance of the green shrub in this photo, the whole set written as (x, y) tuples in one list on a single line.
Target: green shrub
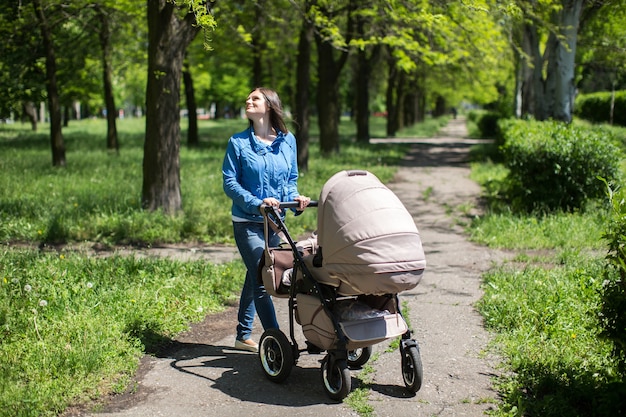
[(613, 308), (488, 124), (596, 107), (554, 166)]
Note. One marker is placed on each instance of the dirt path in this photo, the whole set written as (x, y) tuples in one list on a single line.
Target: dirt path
[(203, 376)]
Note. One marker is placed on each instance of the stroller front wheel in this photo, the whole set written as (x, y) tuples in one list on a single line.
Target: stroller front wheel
[(276, 355), (336, 378), (412, 371)]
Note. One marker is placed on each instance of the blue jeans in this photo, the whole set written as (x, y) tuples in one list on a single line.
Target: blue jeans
[(254, 298)]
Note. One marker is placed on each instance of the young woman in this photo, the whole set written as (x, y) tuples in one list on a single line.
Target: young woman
[(260, 167)]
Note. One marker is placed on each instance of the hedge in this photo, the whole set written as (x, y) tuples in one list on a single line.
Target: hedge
[(596, 107), (553, 165)]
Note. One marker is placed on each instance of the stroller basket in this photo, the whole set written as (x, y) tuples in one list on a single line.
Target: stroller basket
[(317, 326)]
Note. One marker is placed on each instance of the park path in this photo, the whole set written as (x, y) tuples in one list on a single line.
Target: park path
[(204, 376)]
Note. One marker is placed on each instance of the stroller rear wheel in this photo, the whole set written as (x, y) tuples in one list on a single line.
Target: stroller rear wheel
[(336, 378), (276, 355), (359, 357), (412, 371)]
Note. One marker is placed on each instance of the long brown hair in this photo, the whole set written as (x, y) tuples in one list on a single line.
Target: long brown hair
[(275, 107)]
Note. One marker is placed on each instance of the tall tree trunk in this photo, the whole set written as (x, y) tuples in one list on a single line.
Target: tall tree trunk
[(66, 111), (328, 106), (551, 97), (365, 65), (532, 81), (560, 84), (390, 100), (303, 80), (362, 98), (169, 38), (421, 103), (329, 71), (192, 108), (109, 99), (56, 133), (440, 106), (400, 93)]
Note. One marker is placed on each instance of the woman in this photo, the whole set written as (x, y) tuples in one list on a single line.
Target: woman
[(260, 167)]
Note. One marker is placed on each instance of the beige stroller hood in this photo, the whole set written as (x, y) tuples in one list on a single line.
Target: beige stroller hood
[(368, 239)]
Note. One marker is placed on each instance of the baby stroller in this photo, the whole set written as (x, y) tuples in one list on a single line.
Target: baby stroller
[(342, 283)]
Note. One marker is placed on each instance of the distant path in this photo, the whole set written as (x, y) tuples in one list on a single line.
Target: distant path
[(203, 376)]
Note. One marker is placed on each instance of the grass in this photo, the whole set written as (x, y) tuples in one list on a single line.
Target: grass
[(73, 327), (97, 196), (543, 308)]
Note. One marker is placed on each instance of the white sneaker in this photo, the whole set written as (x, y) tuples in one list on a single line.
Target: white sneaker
[(248, 344)]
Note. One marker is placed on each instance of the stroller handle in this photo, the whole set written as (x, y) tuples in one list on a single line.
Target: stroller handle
[(296, 204), (285, 205)]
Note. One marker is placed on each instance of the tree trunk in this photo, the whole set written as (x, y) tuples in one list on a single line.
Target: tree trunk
[(192, 108), (56, 133), (399, 100), (109, 99), (66, 110), (421, 103), (31, 112), (560, 83), (303, 80), (440, 106), (329, 71), (328, 99), (362, 98), (392, 110), (365, 65), (551, 97), (168, 37), (532, 81)]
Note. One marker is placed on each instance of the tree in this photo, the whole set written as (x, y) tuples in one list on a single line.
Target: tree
[(548, 78), (367, 56), (303, 81), (601, 51), (56, 134), (170, 31), (192, 113), (22, 82), (104, 33), (332, 51)]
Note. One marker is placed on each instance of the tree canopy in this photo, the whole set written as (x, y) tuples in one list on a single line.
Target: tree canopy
[(326, 58)]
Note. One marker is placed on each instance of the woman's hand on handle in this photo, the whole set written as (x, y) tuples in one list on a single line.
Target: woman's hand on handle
[(272, 202), (303, 202)]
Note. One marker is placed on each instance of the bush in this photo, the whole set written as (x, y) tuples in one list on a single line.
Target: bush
[(596, 107), (556, 166), (488, 124), (613, 307)]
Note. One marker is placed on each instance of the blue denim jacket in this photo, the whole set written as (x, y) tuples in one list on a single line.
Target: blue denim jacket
[(253, 171)]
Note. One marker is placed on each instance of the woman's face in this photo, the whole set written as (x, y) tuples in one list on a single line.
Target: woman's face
[(256, 105)]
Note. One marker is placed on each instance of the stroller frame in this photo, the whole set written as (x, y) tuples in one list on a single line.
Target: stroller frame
[(278, 354)]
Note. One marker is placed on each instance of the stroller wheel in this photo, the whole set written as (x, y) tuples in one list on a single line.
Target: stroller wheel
[(359, 357), (412, 371), (276, 355), (336, 378)]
